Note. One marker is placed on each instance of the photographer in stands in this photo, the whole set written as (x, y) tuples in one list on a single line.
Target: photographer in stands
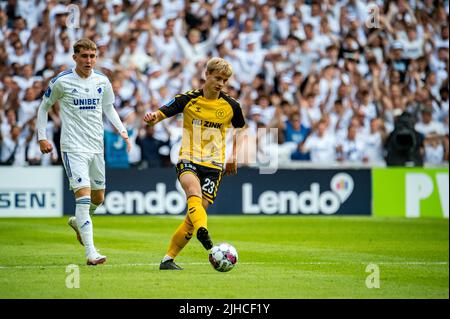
[(404, 146)]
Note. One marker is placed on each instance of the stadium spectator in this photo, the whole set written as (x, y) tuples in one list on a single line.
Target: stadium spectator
[(311, 54), (48, 69), (166, 48), (14, 147), (28, 106), (18, 55), (340, 118), (351, 149), (426, 125), (63, 56), (295, 133), (3, 24), (443, 105), (192, 46), (435, 151), (34, 154), (150, 147), (374, 141), (25, 79), (9, 119), (321, 145), (133, 56)]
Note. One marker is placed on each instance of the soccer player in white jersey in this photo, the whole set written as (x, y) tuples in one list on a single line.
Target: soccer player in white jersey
[(83, 94)]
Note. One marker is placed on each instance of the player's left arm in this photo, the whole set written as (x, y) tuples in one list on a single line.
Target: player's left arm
[(238, 123), (113, 117)]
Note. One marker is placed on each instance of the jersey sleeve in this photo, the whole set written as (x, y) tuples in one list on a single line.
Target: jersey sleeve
[(53, 92), (113, 117), (108, 94), (176, 105), (237, 120)]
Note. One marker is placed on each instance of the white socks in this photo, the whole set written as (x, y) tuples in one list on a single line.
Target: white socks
[(84, 223), (166, 258)]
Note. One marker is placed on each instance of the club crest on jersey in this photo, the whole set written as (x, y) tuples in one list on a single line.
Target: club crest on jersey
[(99, 90), (220, 113), (87, 90), (48, 92)]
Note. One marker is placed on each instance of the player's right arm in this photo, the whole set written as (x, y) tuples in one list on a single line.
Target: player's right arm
[(51, 95), (173, 107)]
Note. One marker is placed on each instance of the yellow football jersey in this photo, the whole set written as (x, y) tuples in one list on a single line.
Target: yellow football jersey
[(205, 123)]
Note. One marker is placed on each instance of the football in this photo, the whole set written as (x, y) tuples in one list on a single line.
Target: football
[(223, 257)]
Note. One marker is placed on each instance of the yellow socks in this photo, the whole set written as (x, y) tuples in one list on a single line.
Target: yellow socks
[(180, 238), (196, 217), (196, 212)]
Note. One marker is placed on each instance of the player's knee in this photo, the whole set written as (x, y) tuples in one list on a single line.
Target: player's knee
[(82, 192), (193, 191)]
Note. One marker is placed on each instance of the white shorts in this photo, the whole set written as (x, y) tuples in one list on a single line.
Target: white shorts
[(84, 170)]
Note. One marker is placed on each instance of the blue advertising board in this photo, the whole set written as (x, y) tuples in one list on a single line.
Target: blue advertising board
[(289, 192), (292, 192)]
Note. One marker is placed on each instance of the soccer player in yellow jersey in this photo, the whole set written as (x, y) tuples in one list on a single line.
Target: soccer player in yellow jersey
[(207, 113)]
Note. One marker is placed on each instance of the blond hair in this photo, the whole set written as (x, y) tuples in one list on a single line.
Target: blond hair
[(219, 65), (84, 44)]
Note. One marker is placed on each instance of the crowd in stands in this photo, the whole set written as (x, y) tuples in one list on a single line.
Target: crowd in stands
[(318, 81)]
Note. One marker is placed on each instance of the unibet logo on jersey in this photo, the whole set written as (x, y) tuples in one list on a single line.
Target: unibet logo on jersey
[(84, 103)]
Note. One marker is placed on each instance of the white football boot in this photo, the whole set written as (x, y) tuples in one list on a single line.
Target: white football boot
[(73, 223), (96, 259)]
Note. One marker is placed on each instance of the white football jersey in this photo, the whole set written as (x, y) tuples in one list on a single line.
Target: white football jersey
[(81, 101)]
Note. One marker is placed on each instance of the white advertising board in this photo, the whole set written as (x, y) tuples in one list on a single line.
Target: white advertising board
[(31, 191)]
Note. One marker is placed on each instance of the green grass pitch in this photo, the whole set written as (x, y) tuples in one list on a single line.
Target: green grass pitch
[(280, 257)]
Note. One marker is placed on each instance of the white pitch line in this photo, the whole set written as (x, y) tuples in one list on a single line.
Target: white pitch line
[(406, 263)]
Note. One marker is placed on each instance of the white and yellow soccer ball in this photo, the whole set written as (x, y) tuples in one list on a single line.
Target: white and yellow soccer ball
[(223, 257)]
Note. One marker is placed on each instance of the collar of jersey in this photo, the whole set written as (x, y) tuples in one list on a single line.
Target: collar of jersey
[(79, 77)]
